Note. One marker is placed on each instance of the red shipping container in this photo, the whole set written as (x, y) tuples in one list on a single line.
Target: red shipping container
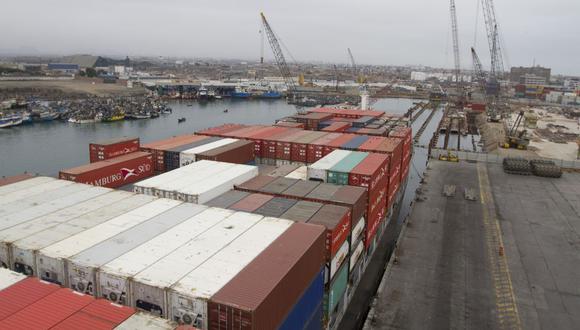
[(373, 221), (371, 172), (114, 172), (256, 183), (315, 149), (336, 127), (112, 148), (348, 113), (242, 132), (264, 292), (270, 143), (337, 143), (100, 314), (22, 294), (239, 152), (251, 202), (48, 311), (13, 179), (284, 144), (371, 144), (393, 147), (300, 146), (260, 137), (159, 152), (338, 223), (393, 188), (220, 130)]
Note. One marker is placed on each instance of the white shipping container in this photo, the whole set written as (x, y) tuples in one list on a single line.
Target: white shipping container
[(170, 189), (357, 230), (334, 264), (355, 255), (300, 173), (23, 251), (10, 188), (61, 198), (147, 186), (113, 278), (140, 321), (188, 156), (33, 191), (9, 278), (188, 298), (51, 260), (211, 187), (317, 171), (83, 267), (149, 287), (14, 233)]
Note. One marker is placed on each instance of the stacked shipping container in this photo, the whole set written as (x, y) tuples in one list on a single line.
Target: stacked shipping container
[(104, 150)]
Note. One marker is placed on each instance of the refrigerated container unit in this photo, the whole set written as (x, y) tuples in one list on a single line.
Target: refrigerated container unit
[(155, 185), (172, 155), (83, 267), (240, 152), (112, 173), (265, 292), (318, 171), (114, 277), (34, 195), (14, 233), (208, 189), (188, 298), (149, 287), (301, 173), (52, 260), (338, 174), (112, 148), (9, 278), (141, 320), (23, 251), (228, 199), (189, 156)]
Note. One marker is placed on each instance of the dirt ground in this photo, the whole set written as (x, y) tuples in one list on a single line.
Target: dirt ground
[(66, 88)]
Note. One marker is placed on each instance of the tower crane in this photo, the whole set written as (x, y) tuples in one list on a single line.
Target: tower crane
[(279, 57)]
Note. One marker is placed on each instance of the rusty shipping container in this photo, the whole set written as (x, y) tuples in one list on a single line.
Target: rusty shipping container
[(239, 152), (251, 202), (265, 291), (112, 148), (112, 173)]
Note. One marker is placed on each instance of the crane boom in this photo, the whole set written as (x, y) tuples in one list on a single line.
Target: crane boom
[(354, 68), (478, 68), (279, 57), (491, 25), (455, 41)]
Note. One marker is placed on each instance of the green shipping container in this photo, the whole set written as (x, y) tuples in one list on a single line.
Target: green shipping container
[(339, 173), (337, 289)]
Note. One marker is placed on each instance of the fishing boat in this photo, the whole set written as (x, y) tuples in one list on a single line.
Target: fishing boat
[(7, 121), (112, 118), (202, 94), (26, 118), (48, 116), (240, 93), (82, 120), (140, 115), (270, 95), (181, 120)]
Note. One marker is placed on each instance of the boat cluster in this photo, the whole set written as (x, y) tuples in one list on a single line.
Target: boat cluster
[(90, 110)]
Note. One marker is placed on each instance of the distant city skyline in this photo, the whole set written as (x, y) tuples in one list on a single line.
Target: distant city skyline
[(414, 32)]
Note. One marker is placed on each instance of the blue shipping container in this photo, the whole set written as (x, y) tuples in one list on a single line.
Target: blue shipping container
[(355, 142), (315, 323), (304, 312)]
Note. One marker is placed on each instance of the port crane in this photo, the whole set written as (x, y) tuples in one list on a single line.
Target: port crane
[(478, 68), (279, 57), (357, 77), (456, 57)]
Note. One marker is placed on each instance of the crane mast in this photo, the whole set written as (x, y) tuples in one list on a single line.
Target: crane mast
[(492, 29), (354, 68), (279, 57), (478, 68), (455, 42)]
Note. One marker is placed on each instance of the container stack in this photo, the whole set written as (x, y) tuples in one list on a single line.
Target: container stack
[(405, 134), (198, 182), (30, 303), (114, 172), (158, 148), (104, 150)]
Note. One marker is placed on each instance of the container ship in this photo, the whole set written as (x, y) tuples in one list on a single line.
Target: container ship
[(236, 226)]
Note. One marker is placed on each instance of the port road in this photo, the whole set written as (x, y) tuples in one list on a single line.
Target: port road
[(508, 260)]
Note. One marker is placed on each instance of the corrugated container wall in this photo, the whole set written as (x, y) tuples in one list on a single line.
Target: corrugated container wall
[(112, 148)]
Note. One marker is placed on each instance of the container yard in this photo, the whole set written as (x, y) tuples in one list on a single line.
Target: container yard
[(129, 247)]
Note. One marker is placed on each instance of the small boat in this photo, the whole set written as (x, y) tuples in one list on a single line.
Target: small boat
[(218, 97), (48, 116), (190, 104), (145, 115), (226, 110), (181, 120), (202, 94), (26, 118), (270, 95), (154, 114), (113, 118)]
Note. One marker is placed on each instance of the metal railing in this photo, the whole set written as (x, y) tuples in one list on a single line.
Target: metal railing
[(483, 157)]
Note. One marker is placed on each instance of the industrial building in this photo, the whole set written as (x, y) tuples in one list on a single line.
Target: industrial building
[(517, 73)]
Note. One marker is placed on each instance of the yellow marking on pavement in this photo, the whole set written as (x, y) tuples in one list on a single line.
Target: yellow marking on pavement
[(506, 305)]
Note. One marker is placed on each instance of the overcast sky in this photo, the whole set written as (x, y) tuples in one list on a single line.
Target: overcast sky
[(378, 31)]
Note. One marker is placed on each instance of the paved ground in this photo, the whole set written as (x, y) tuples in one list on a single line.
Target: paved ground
[(509, 260)]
